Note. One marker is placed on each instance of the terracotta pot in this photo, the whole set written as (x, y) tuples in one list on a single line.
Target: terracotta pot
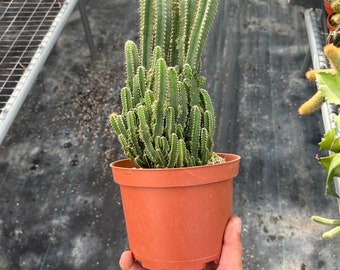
[(328, 7), (175, 218), (329, 25)]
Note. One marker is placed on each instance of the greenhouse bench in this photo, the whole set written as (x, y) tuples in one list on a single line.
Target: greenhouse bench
[(28, 32)]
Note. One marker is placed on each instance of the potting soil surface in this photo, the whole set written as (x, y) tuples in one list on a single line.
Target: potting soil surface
[(60, 208)]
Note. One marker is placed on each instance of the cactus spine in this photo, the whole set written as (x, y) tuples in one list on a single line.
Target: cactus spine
[(167, 119)]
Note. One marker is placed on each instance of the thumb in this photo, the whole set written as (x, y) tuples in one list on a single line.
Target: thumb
[(231, 256), (127, 262)]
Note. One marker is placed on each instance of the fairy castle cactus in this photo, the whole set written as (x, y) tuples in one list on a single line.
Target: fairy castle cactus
[(167, 119)]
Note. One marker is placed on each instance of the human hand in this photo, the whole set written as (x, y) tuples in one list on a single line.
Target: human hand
[(231, 256)]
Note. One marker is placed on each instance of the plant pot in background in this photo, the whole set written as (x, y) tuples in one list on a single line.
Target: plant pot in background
[(175, 218), (330, 27), (328, 8)]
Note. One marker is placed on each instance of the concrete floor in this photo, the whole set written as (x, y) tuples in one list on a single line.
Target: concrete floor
[(60, 207)]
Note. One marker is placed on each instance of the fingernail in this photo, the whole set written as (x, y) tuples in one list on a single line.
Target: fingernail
[(238, 225)]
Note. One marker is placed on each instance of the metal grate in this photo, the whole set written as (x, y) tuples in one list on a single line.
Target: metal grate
[(28, 31)]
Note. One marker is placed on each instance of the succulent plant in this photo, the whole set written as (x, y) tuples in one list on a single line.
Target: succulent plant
[(335, 20), (334, 223), (167, 118), (335, 5), (326, 79)]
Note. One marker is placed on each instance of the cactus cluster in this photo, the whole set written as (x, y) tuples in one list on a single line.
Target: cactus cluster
[(167, 118)]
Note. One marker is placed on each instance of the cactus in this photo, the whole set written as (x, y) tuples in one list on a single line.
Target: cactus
[(334, 223), (167, 119), (315, 102), (336, 6)]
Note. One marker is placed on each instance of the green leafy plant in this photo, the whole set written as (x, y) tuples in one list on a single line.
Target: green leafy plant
[(331, 163), (167, 118)]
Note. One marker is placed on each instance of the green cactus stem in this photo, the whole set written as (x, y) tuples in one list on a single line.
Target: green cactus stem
[(205, 14), (160, 88), (173, 153), (195, 126), (146, 31), (131, 61)]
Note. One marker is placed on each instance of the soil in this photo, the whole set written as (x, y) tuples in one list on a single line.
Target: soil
[(60, 207)]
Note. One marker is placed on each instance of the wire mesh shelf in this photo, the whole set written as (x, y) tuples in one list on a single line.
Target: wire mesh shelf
[(28, 31)]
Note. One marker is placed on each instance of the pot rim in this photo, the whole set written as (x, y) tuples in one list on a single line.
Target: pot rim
[(127, 164), (125, 173)]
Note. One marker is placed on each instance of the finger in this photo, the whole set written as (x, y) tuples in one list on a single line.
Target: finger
[(127, 262), (231, 256)]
